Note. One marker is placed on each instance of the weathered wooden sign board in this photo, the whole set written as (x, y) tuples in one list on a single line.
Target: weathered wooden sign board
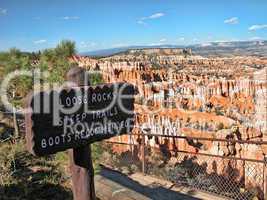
[(72, 118)]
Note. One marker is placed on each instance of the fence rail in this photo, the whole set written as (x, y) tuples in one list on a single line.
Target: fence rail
[(227, 176)]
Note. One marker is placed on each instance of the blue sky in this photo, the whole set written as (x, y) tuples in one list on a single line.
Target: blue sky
[(97, 24)]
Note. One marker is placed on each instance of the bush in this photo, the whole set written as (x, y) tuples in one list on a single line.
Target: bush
[(178, 174), (23, 176)]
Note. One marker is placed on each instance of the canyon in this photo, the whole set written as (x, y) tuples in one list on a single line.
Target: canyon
[(191, 96)]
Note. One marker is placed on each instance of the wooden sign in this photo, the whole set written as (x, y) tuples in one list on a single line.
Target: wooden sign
[(71, 118)]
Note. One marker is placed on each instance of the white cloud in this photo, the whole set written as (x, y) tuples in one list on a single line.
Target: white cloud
[(70, 18), (162, 41), (206, 44), (40, 41), (255, 38), (181, 39), (257, 27), (155, 44), (85, 45), (141, 22), (3, 11), (153, 16), (233, 20)]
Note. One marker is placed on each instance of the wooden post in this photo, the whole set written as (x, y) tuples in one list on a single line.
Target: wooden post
[(81, 165), (82, 172)]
